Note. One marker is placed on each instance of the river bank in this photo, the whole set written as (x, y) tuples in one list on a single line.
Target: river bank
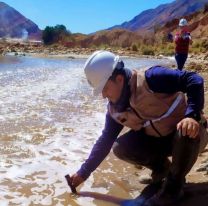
[(59, 51), (200, 61), (195, 62)]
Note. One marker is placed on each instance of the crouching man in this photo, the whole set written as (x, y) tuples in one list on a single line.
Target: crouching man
[(163, 121)]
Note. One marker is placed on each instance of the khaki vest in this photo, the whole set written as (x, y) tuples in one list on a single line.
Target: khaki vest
[(157, 113)]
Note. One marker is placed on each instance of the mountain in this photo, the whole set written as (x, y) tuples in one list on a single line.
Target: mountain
[(117, 38), (152, 18), (15, 25), (198, 25)]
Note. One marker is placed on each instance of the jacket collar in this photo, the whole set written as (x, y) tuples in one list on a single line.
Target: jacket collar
[(123, 101)]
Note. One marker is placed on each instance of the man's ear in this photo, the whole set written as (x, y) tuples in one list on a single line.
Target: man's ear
[(119, 79)]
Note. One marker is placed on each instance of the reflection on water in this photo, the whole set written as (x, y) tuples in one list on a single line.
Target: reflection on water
[(49, 121)]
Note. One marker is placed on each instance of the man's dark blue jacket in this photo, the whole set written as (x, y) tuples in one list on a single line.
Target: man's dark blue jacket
[(159, 79)]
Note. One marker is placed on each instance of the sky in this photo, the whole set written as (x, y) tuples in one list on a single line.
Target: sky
[(83, 16)]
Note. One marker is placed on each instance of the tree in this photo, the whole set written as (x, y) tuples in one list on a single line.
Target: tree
[(48, 35), (55, 34)]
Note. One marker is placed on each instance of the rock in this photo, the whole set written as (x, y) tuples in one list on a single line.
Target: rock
[(71, 57)]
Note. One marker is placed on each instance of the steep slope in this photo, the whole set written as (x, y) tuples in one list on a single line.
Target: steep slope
[(15, 25), (115, 38), (198, 25), (149, 19)]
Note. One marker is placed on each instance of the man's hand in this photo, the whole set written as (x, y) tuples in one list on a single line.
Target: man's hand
[(189, 127), (76, 180)]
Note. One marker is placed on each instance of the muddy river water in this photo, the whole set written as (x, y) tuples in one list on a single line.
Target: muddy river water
[(49, 121)]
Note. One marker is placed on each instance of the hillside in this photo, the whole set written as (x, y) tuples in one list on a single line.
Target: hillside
[(152, 42), (151, 18), (198, 24), (15, 25), (114, 38), (125, 38)]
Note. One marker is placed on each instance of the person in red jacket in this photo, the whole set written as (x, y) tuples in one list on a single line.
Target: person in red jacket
[(182, 40)]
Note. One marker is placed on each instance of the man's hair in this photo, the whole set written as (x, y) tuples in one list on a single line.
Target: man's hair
[(119, 70)]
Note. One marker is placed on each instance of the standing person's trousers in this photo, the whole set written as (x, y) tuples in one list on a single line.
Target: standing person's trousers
[(180, 59)]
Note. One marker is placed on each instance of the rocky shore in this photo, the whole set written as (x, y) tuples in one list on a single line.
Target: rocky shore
[(57, 50), (195, 62)]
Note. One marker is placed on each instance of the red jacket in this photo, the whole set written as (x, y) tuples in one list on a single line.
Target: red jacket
[(182, 41)]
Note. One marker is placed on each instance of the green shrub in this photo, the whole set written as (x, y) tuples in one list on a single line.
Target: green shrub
[(134, 48), (204, 43), (103, 46), (168, 50), (48, 35), (54, 34), (196, 44), (148, 51)]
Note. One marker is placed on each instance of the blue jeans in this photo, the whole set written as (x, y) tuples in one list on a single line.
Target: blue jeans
[(180, 59)]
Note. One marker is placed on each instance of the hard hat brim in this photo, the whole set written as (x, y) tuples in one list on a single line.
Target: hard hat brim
[(99, 89)]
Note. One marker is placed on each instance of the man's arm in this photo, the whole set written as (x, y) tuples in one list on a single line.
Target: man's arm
[(100, 149), (165, 80), (190, 39)]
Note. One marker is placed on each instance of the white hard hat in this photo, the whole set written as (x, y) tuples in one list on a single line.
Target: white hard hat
[(98, 68), (183, 22)]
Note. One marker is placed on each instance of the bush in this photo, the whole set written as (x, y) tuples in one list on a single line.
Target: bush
[(134, 48), (195, 50), (48, 35), (103, 46), (167, 49), (204, 43), (148, 51), (54, 34), (196, 44), (168, 52), (199, 46)]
